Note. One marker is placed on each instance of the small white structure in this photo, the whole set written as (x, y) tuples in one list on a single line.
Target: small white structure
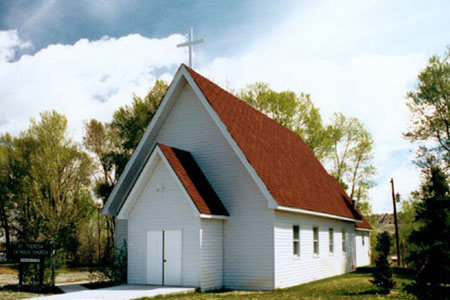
[(362, 241), (217, 195)]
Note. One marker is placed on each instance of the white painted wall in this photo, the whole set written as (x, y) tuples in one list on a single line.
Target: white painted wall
[(362, 251), (291, 270), (248, 233), (165, 210), (121, 233), (211, 244)]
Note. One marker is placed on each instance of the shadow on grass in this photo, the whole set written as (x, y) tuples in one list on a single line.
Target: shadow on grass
[(367, 292), (399, 272), (219, 291), (99, 285), (28, 289)]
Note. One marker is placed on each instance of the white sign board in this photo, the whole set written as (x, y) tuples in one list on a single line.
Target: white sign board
[(30, 260)]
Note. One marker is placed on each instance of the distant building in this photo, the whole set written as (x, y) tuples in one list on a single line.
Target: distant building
[(386, 222)]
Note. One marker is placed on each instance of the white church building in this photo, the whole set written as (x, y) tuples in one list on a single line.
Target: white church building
[(218, 195)]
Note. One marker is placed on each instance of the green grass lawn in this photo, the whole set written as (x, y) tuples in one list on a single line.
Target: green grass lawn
[(349, 286)]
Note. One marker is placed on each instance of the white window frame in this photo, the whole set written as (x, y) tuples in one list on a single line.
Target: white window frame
[(316, 240), (344, 240), (331, 240), (296, 240)]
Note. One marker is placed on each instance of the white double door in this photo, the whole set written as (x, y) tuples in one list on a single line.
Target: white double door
[(164, 257)]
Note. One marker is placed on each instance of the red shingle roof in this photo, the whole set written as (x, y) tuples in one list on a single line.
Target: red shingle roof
[(364, 224), (286, 165), (194, 181)]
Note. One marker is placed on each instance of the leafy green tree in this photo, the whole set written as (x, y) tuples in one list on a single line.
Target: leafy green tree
[(130, 122), (55, 197), (296, 112), (13, 187), (429, 104), (352, 156), (382, 273), (282, 107), (101, 142), (406, 224), (7, 183), (431, 253)]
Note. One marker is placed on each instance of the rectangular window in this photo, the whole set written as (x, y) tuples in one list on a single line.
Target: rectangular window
[(344, 244), (296, 240), (316, 240), (363, 241), (331, 238)]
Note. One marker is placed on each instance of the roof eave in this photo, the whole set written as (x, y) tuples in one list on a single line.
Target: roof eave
[(363, 229), (316, 213), (217, 217)]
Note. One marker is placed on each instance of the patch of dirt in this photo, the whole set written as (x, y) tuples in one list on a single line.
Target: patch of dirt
[(6, 279), (9, 275)]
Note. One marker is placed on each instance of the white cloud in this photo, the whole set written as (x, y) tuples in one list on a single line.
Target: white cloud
[(9, 44), (89, 79)]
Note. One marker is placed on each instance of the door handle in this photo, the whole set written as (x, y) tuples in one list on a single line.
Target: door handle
[(164, 260)]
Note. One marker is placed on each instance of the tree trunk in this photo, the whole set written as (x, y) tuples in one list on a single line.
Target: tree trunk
[(53, 275), (355, 172), (99, 236), (109, 247), (5, 225)]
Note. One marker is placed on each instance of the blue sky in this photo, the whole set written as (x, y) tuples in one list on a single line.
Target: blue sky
[(86, 58), (229, 24)]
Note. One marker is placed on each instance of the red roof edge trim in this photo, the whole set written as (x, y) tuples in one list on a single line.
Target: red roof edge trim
[(364, 224)]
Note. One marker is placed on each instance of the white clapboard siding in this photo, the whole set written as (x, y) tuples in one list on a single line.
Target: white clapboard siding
[(248, 233), (362, 251), (211, 239), (166, 210), (121, 233), (291, 270)]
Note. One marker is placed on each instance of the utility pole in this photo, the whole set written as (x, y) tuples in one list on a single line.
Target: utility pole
[(395, 220)]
